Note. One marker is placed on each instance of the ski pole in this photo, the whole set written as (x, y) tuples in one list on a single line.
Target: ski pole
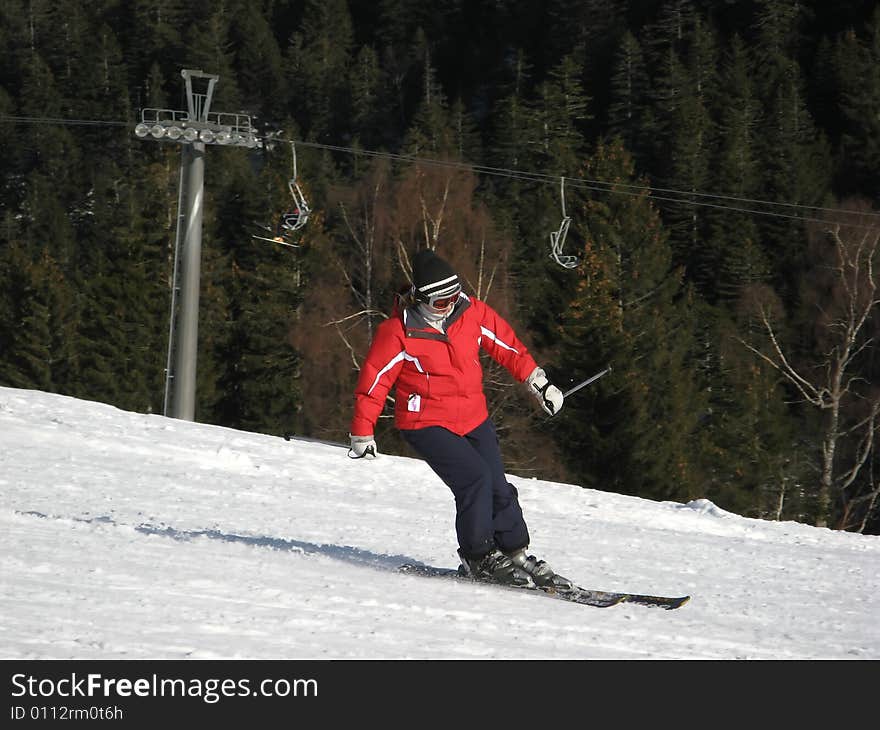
[(586, 382)]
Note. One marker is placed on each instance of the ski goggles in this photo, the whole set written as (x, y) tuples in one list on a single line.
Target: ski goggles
[(442, 302)]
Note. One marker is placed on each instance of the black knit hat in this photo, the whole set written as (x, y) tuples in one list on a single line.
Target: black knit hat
[(432, 276)]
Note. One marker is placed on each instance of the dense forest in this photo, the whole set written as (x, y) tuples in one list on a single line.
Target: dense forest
[(719, 163)]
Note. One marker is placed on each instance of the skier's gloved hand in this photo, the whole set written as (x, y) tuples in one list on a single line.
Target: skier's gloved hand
[(362, 447), (548, 395)]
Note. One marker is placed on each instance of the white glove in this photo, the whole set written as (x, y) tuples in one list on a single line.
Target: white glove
[(548, 395), (362, 447)]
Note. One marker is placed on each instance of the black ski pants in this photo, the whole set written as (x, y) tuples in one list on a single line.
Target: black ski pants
[(487, 507)]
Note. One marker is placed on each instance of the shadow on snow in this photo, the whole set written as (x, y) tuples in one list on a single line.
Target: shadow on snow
[(344, 553)]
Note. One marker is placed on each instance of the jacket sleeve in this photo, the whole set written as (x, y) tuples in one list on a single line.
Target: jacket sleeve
[(378, 374), (502, 344)]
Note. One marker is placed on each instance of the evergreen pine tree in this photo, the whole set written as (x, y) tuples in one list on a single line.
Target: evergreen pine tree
[(246, 337), (318, 59), (794, 155), (365, 83), (511, 118), (684, 146), (732, 257), (758, 462), (465, 135), (48, 152), (153, 33), (259, 66), (629, 88), (212, 50), (558, 111), (555, 145), (64, 317), (431, 133), (858, 67), (25, 329), (634, 431)]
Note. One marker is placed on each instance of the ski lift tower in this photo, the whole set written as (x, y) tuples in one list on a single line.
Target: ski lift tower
[(192, 129)]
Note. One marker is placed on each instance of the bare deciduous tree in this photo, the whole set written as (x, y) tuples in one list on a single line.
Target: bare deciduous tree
[(367, 229), (847, 298)]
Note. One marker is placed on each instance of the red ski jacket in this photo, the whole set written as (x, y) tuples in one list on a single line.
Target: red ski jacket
[(438, 376)]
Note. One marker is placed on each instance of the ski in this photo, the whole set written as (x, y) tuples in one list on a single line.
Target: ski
[(598, 599), (668, 602), (275, 240), (575, 594)]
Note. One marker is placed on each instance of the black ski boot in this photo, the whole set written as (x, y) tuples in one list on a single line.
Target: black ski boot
[(541, 573), (495, 567)]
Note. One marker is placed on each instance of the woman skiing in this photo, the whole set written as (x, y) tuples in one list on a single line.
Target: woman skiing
[(429, 350)]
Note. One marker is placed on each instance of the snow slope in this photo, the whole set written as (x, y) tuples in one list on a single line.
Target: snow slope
[(133, 536)]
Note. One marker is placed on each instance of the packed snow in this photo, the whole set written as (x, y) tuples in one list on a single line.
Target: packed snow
[(134, 536)]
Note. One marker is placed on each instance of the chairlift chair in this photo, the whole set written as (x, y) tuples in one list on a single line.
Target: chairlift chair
[(557, 238), (292, 219)]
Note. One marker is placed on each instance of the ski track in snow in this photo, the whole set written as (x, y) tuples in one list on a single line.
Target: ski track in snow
[(127, 535)]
